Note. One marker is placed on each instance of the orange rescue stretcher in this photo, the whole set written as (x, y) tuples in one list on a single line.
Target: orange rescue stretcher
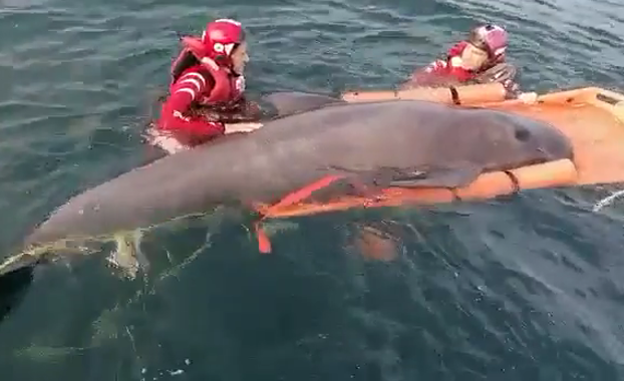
[(592, 118)]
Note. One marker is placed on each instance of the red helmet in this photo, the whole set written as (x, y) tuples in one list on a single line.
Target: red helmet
[(491, 38), (220, 39)]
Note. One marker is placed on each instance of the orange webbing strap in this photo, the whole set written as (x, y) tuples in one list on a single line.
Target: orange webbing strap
[(290, 199)]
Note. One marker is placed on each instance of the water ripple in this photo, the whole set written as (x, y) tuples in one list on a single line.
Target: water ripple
[(507, 289)]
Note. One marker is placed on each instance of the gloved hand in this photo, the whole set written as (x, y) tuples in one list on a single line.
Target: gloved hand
[(252, 110), (231, 128), (512, 88), (513, 92)]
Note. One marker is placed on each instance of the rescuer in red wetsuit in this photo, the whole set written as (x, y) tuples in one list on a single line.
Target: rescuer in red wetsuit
[(468, 60), (208, 72)]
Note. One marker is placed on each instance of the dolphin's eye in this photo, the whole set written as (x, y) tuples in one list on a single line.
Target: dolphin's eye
[(522, 134)]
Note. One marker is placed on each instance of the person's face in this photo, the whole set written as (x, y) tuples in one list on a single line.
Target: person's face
[(240, 58), (473, 58)]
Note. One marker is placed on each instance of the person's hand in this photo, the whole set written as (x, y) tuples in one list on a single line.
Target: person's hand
[(512, 88), (241, 127), (528, 98), (252, 107), (457, 62), (513, 92)]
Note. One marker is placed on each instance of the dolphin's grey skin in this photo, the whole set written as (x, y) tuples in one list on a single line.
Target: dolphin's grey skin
[(431, 144)]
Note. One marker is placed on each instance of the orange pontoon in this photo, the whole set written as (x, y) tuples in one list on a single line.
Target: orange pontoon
[(465, 95)]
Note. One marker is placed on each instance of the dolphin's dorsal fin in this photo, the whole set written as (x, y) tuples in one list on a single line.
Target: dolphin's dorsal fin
[(288, 103)]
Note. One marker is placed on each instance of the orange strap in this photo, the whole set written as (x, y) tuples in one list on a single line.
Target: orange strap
[(264, 244), (306, 191)]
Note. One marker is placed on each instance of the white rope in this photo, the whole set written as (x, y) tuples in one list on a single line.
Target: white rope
[(607, 200)]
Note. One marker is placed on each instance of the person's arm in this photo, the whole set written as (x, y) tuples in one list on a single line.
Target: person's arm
[(427, 76), (457, 49), (433, 73), (183, 93)]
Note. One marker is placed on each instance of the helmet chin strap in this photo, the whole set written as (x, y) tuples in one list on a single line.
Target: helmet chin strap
[(210, 62)]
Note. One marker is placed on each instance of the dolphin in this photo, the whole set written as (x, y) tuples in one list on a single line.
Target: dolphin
[(405, 143)]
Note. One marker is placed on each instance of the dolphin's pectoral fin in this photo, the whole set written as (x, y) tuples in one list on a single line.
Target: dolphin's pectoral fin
[(412, 177), (374, 241), (438, 178)]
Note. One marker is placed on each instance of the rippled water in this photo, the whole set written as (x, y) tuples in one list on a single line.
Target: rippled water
[(528, 287)]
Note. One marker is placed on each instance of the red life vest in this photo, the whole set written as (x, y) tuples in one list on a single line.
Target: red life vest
[(459, 72), (463, 74), (227, 87)]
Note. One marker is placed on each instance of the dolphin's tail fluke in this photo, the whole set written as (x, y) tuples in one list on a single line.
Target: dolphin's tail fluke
[(14, 283), (18, 262)]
